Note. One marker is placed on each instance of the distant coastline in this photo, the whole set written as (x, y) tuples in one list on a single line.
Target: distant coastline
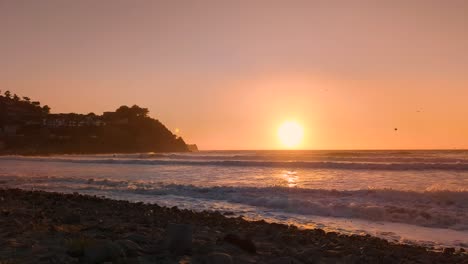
[(27, 128)]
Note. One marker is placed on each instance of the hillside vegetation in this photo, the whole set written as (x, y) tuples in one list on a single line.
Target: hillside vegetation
[(26, 127)]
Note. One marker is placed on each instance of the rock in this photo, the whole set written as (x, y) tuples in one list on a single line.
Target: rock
[(218, 258), (336, 253), (179, 238), (75, 251), (102, 251), (310, 256), (201, 247), (5, 212), (71, 218), (150, 260), (130, 248), (55, 258), (137, 238), (243, 243), (285, 260), (449, 251), (244, 260), (185, 260)]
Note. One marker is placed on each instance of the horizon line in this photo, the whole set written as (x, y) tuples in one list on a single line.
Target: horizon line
[(370, 149)]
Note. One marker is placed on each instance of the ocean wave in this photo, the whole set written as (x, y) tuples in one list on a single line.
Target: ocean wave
[(302, 158), (436, 208), (396, 166), (442, 209)]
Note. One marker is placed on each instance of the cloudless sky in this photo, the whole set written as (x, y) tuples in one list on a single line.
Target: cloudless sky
[(228, 73)]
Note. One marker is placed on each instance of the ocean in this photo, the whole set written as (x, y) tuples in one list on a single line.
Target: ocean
[(413, 197)]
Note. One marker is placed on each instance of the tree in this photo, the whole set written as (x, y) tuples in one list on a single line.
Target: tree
[(139, 111), (8, 94), (129, 112), (46, 109), (27, 99), (16, 97), (123, 109)]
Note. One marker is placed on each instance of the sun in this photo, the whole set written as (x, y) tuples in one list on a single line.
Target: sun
[(290, 134)]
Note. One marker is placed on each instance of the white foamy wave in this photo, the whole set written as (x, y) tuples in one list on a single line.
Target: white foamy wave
[(457, 166), (434, 209), (441, 209)]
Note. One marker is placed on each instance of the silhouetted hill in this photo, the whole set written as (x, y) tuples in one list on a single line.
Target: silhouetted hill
[(28, 128)]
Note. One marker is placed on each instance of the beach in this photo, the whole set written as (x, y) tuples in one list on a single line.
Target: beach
[(408, 197), (47, 227)]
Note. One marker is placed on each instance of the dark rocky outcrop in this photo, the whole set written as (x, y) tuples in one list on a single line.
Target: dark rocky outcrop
[(27, 128)]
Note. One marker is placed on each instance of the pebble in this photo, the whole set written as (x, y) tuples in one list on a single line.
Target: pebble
[(207, 237)]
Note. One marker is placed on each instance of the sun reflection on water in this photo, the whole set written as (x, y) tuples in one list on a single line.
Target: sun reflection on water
[(291, 178)]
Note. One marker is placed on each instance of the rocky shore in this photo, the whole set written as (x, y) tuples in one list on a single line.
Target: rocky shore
[(43, 227)]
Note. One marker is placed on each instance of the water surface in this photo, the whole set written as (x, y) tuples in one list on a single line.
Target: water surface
[(406, 196)]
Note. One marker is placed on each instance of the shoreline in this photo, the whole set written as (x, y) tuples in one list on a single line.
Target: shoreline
[(48, 227)]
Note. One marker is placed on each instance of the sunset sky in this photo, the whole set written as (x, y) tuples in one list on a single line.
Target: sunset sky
[(229, 73)]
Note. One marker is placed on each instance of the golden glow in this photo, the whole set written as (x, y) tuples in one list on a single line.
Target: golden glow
[(290, 134), (291, 178)]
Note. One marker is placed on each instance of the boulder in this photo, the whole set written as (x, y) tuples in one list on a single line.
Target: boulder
[(179, 238)]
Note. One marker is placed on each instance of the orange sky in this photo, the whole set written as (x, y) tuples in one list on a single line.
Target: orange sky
[(227, 73)]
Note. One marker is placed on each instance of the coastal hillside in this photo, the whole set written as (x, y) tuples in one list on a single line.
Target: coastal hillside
[(26, 127)]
